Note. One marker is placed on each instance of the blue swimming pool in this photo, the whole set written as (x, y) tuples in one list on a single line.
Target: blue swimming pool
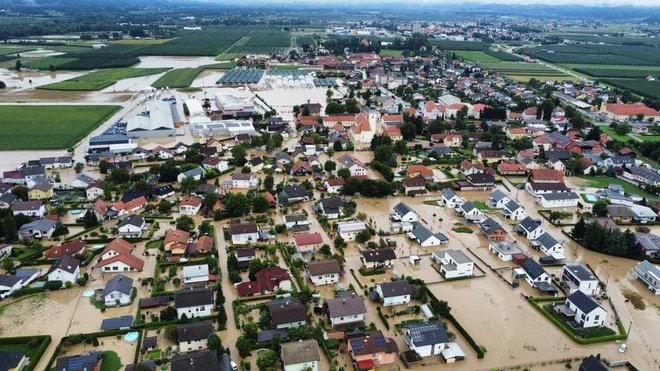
[(590, 197), (75, 211), (131, 336)]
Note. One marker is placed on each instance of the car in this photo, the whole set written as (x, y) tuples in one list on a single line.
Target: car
[(234, 366), (520, 186)]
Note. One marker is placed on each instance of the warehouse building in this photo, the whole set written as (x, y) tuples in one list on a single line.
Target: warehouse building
[(157, 121), (227, 128)]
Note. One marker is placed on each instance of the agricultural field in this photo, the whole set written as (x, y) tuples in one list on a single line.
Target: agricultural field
[(269, 41), (12, 49), (620, 40), (526, 71), (475, 56), (610, 132), (391, 52), (183, 77), (49, 127), (597, 54), (46, 62), (459, 45), (639, 86), (101, 79), (616, 72), (209, 42)]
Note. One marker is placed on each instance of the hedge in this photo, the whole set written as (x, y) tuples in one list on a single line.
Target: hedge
[(374, 272), (356, 279), (36, 354), (621, 336), (382, 318)]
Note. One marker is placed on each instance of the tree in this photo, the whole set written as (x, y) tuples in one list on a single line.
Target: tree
[(21, 192), (3, 85), (344, 173), (185, 223), (408, 131), (18, 65), (269, 182), (600, 208), (188, 184), (260, 204), (330, 166), (337, 146), (622, 129), (334, 108), (8, 264), (168, 171), (90, 219), (243, 346), (119, 176), (213, 342), (267, 360), (363, 236), (168, 314), (255, 266), (325, 250), (594, 134), (206, 228), (237, 204), (164, 207), (578, 229), (239, 154), (9, 229)]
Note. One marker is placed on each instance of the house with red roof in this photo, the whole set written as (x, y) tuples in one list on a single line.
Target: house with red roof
[(478, 108), (70, 248), (393, 132), (190, 205), (420, 170), (516, 133), (308, 242), (529, 114), (625, 112), (392, 120), (453, 140), (433, 111), (334, 185), (511, 168), (176, 241), (266, 281), (453, 109), (361, 132), (124, 262)]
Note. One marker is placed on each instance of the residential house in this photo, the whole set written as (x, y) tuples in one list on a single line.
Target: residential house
[(350, 229), (195, 173), (193, 302), (535, 275), (244, 255), (394, 293), (414, 171), (195, 273), (244, 233), (95, 190), (505, 250), (346, 311), (267, 280), (324, 272), (293, 193), (371, 349), (334, 185), (243, 181), (41, 191), (287, 313), (190, 205), (426, 339), (65, 269), (300, 355), (423, 236), (297, 222), (378, 258), (357, 168), (512, 210), (415, 186), (475, 182), (132, 226), (530, 228), (6, 200), (403, 213), (82, 181), (203, 360), (89, 360), (470, 212), (450, 198), (492, 230), (42, 228), (642, 214), (176, 241), (453, 263), (584, 310), (548, 245), (117, 291), (556, 200), (649, 275), (308, 242), (577, 277), (256, 164), (194, 336), (215, 163), (73, 247), (116, 257), (497, 199), (29, 208), (331, 207)]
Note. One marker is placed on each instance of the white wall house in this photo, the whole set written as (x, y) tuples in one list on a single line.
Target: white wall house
[(577, 277), (512, 210), (323, 272), (349, 230), (346, 310), (470, 212), (504, 250), (244, 233), (403, 213), (196, 273), (453, 263), (427, 339), (300, 355), (555, 200), (548, 245), (65, 269), (193, 303), (118, 291), (194, 336), (648, 274), (450, 199), (497, 199), (588, 312), (530, 228), (394, 293)]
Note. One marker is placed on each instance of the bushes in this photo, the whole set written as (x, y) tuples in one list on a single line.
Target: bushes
[(382, 318), (41, 342), (371, 272)]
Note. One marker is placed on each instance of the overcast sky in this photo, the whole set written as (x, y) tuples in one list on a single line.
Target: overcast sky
[(546, 2)]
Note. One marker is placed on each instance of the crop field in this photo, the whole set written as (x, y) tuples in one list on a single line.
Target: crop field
[(475, 56), (597, 54), (304, 40), (523, 69), (263, 42), (12, 49), (459, 45), (46, 62), (614, 71), (183, 77), (208, 42), (610, 39), (503, 56), (522, 72), (49, 127), (391, 52), (101, 79), (640, 86)]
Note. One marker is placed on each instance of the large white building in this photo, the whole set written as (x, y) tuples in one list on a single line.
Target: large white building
[(585, 310), (394, 293), (453, 263), (235, 105), (193, 303), (349, 230), (577, 277), (227, 128), (156, 121)]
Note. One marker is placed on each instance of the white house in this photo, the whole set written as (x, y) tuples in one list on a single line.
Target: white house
[(403, 213), (190, 205), (450, 198), (9, 284), (497, 199), (335, 185), (243, 180), (427, 339), (244, 233), (504, 250), (132, 226), (355, 166), (378, 258), (331, 207), (94, 190), (196, 273), (195, 173), (118, 291), (42, 228), (65, 269), (346, 310), (648, 274), (394, 293), (300, 355), (530, 228), (584, 310), (423, 236), (323, 272), (82, 181), (534, 274), (300, 221), (29, 208), (453, 263), (244, 255), (555, 200), (578, 277), (193, 303), (194, 336), (512, 210), (548, 245), (469, 212), (349, 230)]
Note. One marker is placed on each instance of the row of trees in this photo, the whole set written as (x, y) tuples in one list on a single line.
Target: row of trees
[(595, 237)]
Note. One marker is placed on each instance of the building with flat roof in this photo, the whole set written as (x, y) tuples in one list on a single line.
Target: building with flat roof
[(229, 128), (156, 121)]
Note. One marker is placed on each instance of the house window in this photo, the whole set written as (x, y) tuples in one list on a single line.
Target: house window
[(596, 317)]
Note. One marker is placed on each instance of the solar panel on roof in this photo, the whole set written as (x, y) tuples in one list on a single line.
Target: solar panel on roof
[(117, 322), (380, 341), (356, 344)]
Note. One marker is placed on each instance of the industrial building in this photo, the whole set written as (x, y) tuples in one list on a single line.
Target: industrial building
[(235, 105), (157, 121), (229, 128)]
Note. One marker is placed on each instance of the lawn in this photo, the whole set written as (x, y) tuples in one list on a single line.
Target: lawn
[(101, 79), (609, 131), (462, 230), (481, 205), (49, 127), (391, 52), (603, 182), (646, 138), (153, 354), (584, 333), (183, 77), (45, 62), (475, 56), (111, 361), (12, 49)]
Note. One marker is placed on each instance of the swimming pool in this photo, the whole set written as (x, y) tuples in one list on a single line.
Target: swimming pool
[(590, 197), (131, 336), (75, 211), (88, 293)]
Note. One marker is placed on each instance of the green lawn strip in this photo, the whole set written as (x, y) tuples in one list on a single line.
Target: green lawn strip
[(481, 205), (49, 127), (101, 79), (111, 361), (391, 52), (45, 63), (603, 182), (646, 138), (8, 49), (609, 131), (463, 230)]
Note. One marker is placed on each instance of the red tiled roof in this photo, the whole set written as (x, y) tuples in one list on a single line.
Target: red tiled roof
[(421, 169), (511, 166), (67, 248), (336, 182), (127, 259), (191, 201), (546, 175), (398, 118), (304, 239), (631, 109), (176, 235)]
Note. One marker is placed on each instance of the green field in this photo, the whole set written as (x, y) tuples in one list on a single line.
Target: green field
[(609, 131), (459, 45), (640, 86), (475, 56), (208, 42), (12, 49), (391, 52), (268, 41), (46, 62), (101, 79), (603, 182), (183, 77), (49, 126)]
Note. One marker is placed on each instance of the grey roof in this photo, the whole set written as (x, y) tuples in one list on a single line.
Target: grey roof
[(7, 280), (40, 225), (458, 256), (468, 206), (132, 219), (33, 170), (118, 283), (321, 267), (10, 359), (592, 364), (430, 333), (584, 302), (193, 172), (295, 217), (378, 255), (194, 331), (645, 173), (297, 352), (396, 288), (66, 263), (619, 211), (295, 191), (192, 297), (267, 335), (8, 198), (580, 271), (26, 273), (422, 233), (512, 206), (117, 323), (529, 224), (27, 205), (448, 193), (489, 225), (203, 360), (648, 241), (546, 240), (287, 310), (78, 363), (84, 178), (646, 266), (498, 195), (532, 268), (560, 195), (342, 307), (402, 209)]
